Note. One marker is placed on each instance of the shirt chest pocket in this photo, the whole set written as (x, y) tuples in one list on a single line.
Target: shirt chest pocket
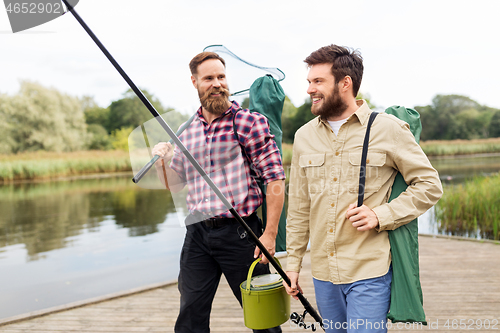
[(314, 167), (374, 163)]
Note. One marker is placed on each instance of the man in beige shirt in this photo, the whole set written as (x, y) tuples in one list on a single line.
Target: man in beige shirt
[(350, 249)]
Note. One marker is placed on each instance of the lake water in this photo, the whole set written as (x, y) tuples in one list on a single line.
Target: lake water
[(67, 241)]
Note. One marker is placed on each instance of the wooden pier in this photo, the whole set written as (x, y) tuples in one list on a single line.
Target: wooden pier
[(460, 281)]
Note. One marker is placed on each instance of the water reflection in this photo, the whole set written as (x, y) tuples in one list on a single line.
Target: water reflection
[(62, 242), (45, 216), (458, 169)]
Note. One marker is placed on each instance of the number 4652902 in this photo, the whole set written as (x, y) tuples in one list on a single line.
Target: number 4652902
[(471, 324), (34, 8)]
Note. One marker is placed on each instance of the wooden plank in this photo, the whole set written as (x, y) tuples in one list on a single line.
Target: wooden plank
[(86, 302)]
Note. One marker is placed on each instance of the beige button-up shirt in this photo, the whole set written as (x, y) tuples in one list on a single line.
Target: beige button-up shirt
[(324, 181)]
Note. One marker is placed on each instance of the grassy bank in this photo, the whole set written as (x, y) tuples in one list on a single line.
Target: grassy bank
[(44, 165), (471, 206), (461, 147), (437, 148)]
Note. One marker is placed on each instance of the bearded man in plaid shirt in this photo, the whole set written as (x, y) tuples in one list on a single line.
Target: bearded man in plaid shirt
[(218, 244)]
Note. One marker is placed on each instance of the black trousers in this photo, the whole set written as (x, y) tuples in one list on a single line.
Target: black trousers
[(207, 253)]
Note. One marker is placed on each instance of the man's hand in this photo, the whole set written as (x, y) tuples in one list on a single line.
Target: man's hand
[(269, 242), (362, 218), (165, 151), (294, 289), (167, 176)]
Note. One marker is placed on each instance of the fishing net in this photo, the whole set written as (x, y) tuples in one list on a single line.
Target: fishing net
[(241, 73), (223, 162)]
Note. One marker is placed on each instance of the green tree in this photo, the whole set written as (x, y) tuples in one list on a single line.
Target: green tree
[(246, 103), (42, 118), (119, 138), (301, 117), (452, 117), (97, 120), (94, 114), (129, 111), (289, 110), (287, 117), (99, 139), (466, 125), (494, 127), (367, 98), (6, 142)]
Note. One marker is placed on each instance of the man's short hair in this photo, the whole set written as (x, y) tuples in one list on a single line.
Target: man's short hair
[(345, 62), (200, 58)]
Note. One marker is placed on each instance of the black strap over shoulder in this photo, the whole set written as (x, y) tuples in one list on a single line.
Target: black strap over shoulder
[(362, 169), (236, 132)]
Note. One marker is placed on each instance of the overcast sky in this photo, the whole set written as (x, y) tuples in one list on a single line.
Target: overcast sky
[(412, 50)]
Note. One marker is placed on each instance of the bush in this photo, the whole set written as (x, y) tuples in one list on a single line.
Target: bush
[(98, 138), (119, 138), (39, 118)]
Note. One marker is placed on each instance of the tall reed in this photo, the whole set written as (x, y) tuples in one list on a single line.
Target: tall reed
[(472, 206), (42, 165), (461, 147)]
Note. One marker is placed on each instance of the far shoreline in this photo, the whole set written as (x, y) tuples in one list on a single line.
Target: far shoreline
[(54, 166)]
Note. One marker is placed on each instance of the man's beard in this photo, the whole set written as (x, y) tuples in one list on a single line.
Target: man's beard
[(333, 106), (216, 105)]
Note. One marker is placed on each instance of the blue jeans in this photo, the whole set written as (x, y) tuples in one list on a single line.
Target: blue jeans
[(361, 306)]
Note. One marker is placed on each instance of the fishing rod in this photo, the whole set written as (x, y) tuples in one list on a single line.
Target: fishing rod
[(155, 158), (308, 308)]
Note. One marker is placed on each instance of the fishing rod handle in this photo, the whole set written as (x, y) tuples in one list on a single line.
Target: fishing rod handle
[(148, 165), (145, 169)]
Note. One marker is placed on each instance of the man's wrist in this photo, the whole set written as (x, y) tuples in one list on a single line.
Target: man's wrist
[(384, 217), (272, 233)]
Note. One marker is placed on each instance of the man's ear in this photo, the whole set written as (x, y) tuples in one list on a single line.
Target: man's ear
[(193, 80), (346, 84)]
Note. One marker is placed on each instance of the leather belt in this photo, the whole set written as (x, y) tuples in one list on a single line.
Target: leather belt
[(217, 222)]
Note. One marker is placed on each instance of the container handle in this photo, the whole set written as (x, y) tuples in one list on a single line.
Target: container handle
[(250, 272)]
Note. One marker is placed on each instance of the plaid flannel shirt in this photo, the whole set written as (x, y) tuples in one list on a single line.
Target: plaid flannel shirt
[(215, 148)]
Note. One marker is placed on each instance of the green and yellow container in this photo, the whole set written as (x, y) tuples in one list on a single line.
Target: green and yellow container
[(265, 301)]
